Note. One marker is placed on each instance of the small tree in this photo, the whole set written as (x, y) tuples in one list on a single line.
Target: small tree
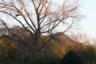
[(71, 58)]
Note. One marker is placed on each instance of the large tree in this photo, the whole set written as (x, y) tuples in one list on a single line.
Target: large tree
[(37, 17)]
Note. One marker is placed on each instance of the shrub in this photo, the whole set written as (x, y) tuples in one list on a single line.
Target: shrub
[(71, 58), (44, 59)]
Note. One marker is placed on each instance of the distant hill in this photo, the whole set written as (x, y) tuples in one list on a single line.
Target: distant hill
[(61, 37)]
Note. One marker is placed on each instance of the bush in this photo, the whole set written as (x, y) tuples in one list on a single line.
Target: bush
[(71, 58), (44, 59)]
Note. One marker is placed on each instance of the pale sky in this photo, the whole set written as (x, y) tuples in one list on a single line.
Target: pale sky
[(88, 9), (89, 23)]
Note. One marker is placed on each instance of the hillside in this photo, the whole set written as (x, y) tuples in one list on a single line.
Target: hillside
[(61, 37)]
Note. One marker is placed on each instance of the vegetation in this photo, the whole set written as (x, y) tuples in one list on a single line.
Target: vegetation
[(44, 59), (71, 58), (14, 54), (12, 51), (3, 50)]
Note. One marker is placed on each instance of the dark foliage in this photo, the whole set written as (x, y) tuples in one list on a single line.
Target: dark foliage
[(71, 58), (44, 59), (26, 60)]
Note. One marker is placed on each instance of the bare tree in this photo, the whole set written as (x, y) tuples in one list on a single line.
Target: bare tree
[(40, 16), (94, 41), (82, 37)]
